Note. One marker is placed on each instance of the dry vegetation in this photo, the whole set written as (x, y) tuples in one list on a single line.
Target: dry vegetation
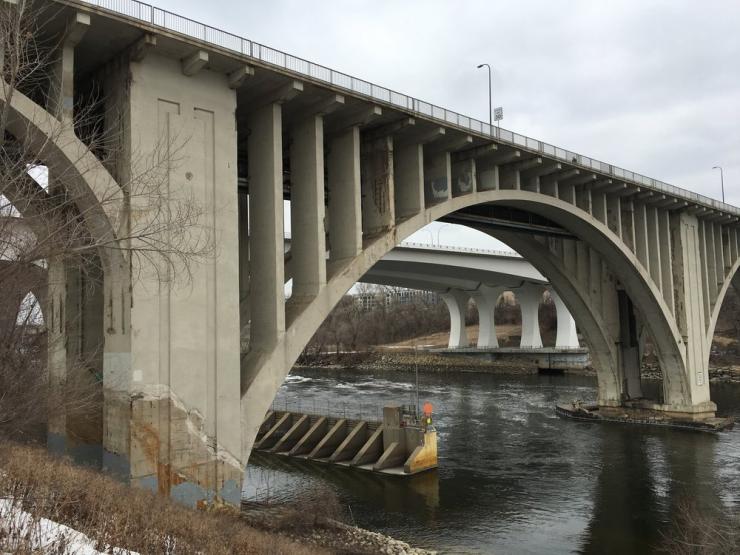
[(696, 531), (113, 514)]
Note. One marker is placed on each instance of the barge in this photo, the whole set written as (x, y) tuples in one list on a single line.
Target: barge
[(640, 416)]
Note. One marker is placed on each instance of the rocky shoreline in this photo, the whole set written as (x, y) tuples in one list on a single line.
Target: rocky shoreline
[(720, 371), (326, 533)]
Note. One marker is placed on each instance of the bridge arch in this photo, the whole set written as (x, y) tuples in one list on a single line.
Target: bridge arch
[(264, 372), (732, 280)]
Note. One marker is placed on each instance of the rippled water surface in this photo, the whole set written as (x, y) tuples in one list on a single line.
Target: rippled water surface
[(512, 477)]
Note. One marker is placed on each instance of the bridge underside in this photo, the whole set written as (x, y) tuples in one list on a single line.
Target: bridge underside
[(233, 137)]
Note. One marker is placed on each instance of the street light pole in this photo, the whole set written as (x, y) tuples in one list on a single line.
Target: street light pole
[(490, 94), (721, 179), (439, 230)]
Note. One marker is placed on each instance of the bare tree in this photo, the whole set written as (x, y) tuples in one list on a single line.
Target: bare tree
[(54, 229)]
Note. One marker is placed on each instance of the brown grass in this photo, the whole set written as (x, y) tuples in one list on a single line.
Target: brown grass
[(112, 514)]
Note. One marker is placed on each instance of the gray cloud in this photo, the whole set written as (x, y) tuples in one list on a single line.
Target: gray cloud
[(652, 86)]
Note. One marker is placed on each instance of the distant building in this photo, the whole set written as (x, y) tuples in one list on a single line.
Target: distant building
[(396, 295)]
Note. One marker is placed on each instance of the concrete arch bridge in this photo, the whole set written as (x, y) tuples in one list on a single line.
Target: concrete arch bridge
[(364, 167)]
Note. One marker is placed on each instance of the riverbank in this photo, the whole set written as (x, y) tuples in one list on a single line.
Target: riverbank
[(720, 371), (53, 493)]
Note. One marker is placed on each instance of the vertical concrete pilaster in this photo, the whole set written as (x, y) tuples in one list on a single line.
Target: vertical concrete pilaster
[(308, 240), (377, 186), (437, 176), (654, 246), (666, 258), (267, 299), (243, 215), (345, 210), (629, 349), (61, 95), (641, 235), (408, 167), (693, 390), (463, 177)]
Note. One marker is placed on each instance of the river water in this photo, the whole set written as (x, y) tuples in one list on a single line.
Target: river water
[(513, 477)]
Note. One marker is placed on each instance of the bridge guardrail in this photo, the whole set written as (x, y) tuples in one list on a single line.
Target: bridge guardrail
[(472, 250), (266, 55)]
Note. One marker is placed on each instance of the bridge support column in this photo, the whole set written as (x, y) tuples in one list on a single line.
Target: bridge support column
[(345, 210), (629, 348), (457, 303), (567, 336), (172, 372), (529, 298), (485, 299), (308, 242), (690, 394)]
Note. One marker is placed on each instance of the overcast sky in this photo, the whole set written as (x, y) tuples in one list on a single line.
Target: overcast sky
[(653, 87)]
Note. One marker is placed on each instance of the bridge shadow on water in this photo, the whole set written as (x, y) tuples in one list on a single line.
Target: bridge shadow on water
[(513, 478)]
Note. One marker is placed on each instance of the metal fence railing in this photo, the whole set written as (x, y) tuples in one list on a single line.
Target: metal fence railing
[(254, 51), (448, 248), (352, 411)]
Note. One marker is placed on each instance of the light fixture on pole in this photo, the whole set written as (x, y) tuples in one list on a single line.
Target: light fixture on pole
[(439, 231), (721, 179), (490, 93)]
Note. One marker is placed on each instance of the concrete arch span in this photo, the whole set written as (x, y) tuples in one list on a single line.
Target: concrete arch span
[(264, 372)]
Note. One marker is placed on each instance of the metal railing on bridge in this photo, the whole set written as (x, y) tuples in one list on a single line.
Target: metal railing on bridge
[(448, 248), (270, 56)]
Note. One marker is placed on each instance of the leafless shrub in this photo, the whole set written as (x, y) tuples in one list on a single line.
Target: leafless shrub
[(702, 531), (50, 225), (112, 514)]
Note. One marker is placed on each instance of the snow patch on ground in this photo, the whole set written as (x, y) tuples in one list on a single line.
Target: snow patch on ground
[(18, 527)]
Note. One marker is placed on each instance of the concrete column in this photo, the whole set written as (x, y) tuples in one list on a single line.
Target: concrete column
[(377, 186), (345, 211), (598, 206), (628, 224), (711, 263), (614, 214), (487, 176), (308, 240), (719, 254), (55, 310), (267, 298), (641, 235), (529, 297), (243, 214), (61, 95), (666, 257), (654, 246), (629, 348), (567, 336), (485, 299), (463, 177), (691, 392), (437, 176), (171, 368), (408, 169), (457, 303), (510, 177)]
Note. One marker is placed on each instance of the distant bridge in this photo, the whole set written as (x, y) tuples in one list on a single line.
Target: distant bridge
[(459, 274)]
